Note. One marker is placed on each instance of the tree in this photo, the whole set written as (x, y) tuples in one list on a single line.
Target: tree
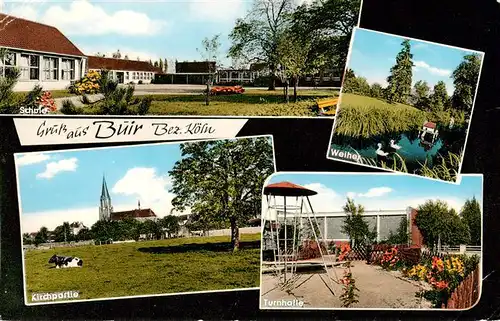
[(126, 57), (99, 54), (376, 90), (84, 235), (437, 222), (439, 97), (222, 180), (471, 216), (328, 25), (117, 54), (295, 59), (256, 38), (171, 224), (151, 228), (210, 53), (63, 233), (355, 226), (465, 78), (165, 65), (42, 236), (26, 239), (421, 96), (399, 80), (160, 64), (401, 236)]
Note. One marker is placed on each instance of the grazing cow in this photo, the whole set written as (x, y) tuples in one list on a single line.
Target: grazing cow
[(65, 261)]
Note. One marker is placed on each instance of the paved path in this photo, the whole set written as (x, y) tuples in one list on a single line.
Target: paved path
[(378, 289)]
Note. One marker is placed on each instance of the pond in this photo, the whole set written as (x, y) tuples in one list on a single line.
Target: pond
[(412, 148)]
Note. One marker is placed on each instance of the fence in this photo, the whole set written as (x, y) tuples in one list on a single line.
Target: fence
[(47, 246), (466, 294)]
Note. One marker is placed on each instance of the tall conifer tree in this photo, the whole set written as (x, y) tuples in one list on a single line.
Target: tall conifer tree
[(399, 88)]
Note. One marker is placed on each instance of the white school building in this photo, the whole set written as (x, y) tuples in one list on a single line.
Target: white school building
[(45, 56)]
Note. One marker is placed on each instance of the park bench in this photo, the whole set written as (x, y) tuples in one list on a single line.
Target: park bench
[(327, 107)]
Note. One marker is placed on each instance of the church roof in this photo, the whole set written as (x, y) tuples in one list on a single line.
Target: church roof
[(104, 192), (137, 213)]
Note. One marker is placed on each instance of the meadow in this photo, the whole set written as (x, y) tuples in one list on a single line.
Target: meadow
[(147, 268), (254, 102)]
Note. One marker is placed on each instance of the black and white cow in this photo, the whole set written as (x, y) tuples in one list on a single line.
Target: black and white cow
[(65, 261)]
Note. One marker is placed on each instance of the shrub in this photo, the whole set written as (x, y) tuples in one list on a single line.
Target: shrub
[(89, 84)]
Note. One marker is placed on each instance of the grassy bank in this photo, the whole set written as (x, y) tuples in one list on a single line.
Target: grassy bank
[(152, 267), (361, 116)]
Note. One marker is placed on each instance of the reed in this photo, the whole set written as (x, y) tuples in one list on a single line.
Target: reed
[(365, 117), (445, 169)]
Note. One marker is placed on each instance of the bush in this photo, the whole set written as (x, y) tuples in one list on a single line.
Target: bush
[(89, 84)]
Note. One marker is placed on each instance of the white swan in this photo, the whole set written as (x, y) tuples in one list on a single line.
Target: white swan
[(394, 145), (379, 150)]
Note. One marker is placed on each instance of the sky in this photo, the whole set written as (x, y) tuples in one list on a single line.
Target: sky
[(373, 54), (148, 29), (384, 191), (66, 186)]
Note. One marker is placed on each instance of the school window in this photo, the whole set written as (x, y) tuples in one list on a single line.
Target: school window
[(8, 65), (50, 68), (30, 67), (68, 69)]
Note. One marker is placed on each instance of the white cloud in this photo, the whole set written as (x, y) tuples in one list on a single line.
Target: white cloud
[(433, 70), (63, 165), (32, 158), (376, 192), (372, 192), (147, 186), (24, 11), (216, 10), (85, 18)]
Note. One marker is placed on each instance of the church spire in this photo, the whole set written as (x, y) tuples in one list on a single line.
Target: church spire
[(105, 207)]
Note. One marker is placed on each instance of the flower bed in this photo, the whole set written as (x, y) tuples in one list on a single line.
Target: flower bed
[(226, 90), (443, 274), (88, 84), (46, 101)]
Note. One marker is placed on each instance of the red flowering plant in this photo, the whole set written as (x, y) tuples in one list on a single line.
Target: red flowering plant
[(226, 90), (349, 290), (391, 260), (46, 101)]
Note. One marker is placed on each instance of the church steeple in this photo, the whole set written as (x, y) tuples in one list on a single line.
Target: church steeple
[(105, 207)]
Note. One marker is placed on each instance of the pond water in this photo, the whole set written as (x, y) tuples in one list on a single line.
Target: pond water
[(413, 150)]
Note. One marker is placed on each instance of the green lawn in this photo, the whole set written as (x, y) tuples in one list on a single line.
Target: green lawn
[(55, 93), (253, 102), (145, 268)]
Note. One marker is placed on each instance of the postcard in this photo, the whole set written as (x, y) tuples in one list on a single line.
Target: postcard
[(370, 241), (142, 220), (176, 58), (406, 105)]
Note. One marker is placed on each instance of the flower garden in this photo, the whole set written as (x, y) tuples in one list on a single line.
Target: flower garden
[(226, 90), (435, 277), (88, 84), (442, 274)]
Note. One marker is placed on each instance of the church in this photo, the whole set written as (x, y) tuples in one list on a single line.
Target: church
[(106, 212)]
